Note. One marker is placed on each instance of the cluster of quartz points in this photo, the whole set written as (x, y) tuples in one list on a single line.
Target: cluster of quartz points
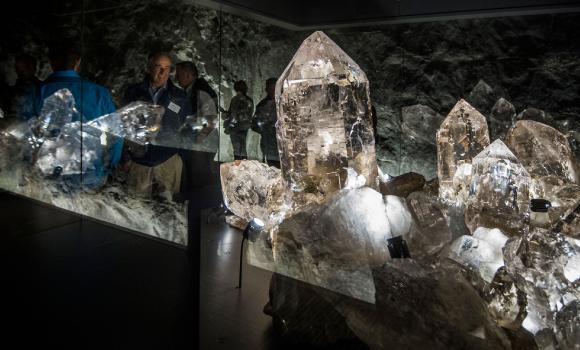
[(485, 271), (61, 145)]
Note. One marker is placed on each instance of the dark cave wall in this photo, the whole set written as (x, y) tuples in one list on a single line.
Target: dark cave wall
[(417, 71)]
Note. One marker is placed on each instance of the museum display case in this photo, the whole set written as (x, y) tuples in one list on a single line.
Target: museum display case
[(417, 183)]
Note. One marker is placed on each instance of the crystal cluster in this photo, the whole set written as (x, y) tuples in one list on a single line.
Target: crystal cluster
[(481, 273), (324, 123)]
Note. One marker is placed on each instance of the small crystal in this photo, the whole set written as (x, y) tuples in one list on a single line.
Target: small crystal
[(499, 191), (432, 233), (403, 185), (251, 189), (501, 118), (507, 303), (478, 255)]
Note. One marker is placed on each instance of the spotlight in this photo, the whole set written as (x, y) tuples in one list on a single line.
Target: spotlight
[(540, 205), (253, 229), (539, 211), (398, 247), (251, 232), (56, 171)]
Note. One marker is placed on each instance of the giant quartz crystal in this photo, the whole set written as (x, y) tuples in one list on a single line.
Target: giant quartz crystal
[(499, 195), (462, 135), (324, 121)]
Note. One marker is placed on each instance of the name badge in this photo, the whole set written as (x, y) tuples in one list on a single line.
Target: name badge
[(174, 107)]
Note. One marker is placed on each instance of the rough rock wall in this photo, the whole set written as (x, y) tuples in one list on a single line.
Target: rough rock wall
[(417, 71)]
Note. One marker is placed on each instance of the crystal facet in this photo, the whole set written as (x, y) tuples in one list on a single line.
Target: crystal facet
[(335, 244), (482, 257), (57, 110), (499, 194), (543, 150), (462, 135), (138, 122)]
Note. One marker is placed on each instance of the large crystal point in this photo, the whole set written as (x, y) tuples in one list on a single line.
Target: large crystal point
[(543, 150), (57, 110), (138, 122), (462, 135), (324, 121), (499, 196)]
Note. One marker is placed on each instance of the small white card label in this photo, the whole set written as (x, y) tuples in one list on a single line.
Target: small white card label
[(174, 107)]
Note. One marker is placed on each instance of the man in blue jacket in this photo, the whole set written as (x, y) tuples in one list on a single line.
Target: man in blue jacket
[(91, 100), (160, 164)]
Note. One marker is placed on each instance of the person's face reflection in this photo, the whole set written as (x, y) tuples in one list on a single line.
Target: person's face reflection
[(159, 71), (183, 77)]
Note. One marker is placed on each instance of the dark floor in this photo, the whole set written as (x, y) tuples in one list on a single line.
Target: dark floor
[(71, 282)]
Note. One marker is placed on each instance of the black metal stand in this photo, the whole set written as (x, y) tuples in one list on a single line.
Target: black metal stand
[(241, 262)]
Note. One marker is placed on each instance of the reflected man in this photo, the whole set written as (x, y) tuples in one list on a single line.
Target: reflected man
[(92, 101), (239, 119), (200, 168), (159, 166), (264, 123)]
